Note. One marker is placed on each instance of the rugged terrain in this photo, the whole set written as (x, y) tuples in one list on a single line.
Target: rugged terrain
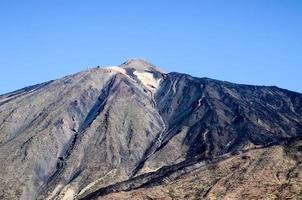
[(266, 173), (135, 132)]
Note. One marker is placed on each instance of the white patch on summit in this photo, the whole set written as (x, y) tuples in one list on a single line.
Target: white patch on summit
[(148, 80), (139, 70), (117, 69)]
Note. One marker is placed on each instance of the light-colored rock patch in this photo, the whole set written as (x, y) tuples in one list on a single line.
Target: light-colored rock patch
[(148, 80)]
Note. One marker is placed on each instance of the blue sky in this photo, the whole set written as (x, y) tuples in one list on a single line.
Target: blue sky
[(247, 41)]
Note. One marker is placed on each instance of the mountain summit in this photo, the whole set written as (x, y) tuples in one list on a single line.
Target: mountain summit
[(135, 132), (140, 65), (141, 71)]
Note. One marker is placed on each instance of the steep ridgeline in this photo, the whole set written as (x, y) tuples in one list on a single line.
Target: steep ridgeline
[(121, 128)]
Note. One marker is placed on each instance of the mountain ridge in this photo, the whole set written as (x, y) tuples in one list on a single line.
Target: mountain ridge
[(74, 136)]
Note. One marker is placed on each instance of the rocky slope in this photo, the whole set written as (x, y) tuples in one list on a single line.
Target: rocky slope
[(107, 131), (265, 173)]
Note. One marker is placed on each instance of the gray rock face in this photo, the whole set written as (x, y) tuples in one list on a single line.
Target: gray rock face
[(117, 128)]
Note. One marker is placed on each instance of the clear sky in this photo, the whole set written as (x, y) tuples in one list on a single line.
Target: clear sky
[(243, 41)]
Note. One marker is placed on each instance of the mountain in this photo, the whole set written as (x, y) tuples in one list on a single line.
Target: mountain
[(135, 132)]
